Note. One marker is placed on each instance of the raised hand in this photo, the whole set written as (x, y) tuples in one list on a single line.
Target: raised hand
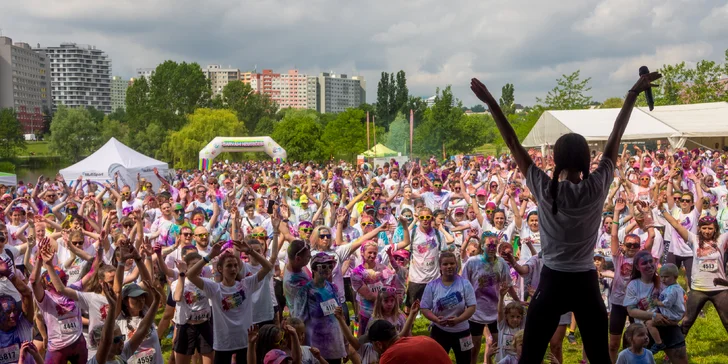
[(253, 334), (645, 82), (620, 204), (181, 265), (482, 92)]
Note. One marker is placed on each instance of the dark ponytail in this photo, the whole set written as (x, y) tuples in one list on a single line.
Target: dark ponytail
[(554, 189)]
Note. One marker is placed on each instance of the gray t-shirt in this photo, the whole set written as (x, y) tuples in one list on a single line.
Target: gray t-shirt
[(567, 238)]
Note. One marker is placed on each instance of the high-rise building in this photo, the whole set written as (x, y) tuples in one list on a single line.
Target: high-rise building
[(144, 72), (245, 77), (80, 76), (292, 89), (118, 92), (220, 77), (24, 83), (337, 93)]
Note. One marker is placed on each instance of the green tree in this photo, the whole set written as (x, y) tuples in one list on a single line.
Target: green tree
[(569, 94), (176, 90), (439, 127), (110, 128), (12, 139), (346, 135), (119, 114), (398, 135), (250, 107), (478, 108), (265, 126), (704, 83), (401, 94), (184, 145), (299, 133), (138, 106), (96, 114), (73, 133), (419, 106), (612, 103), (151, 140), (383, 100), (507, 99)]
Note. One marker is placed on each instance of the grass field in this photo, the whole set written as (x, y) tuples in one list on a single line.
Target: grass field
[(707, 342), (39, 148)]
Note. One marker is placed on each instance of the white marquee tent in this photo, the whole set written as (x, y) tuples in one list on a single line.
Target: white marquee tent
[(700, 124), (114, 157)]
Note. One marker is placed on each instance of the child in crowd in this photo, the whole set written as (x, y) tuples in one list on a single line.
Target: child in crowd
[(636, 337), (309, 355), (671, 303), (510, 322)]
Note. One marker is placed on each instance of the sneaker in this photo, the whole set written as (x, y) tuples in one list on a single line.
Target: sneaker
[(656, 348), (572, 338)]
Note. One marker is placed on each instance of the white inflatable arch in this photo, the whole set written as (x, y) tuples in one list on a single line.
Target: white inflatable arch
[(240, 144)]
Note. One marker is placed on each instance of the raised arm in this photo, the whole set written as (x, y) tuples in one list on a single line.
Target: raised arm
[(612, 146), (614, 245), (519, 153)]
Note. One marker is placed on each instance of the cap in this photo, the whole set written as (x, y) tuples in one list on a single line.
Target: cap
[(322, 258), (597, 255), (132, 290), (275, 356), (481, 192), (369, 207), (382, 330), (490, 204), (404, 253), (7, 195), (459, 210)]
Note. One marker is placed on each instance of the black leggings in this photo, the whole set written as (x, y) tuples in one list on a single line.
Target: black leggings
[(685, 261), (696, 301), (226, 357), (552, 299), (451, 340)]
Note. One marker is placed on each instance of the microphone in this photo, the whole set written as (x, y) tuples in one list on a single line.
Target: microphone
[(648, 93)]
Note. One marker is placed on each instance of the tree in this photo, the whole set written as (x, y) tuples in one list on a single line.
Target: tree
[(507, 100), (96, 114), (138, 106), (184, 145), (299, 133), (569, 94), (265, 126), (345, 136), (439, 127), (73, 133), (612, 103), (383, 99), (119, 115), (110, 128), (419, 106), (176, 90), (250, 107), (478, 108), (401, 94), (398, 135), (12, 139)]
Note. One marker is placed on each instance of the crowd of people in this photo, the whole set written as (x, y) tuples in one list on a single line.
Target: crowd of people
[(258, 262)]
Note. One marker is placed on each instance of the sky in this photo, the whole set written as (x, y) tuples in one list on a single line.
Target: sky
[(437, 43)]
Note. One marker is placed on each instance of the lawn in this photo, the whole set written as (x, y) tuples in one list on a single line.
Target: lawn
[(39, 148)]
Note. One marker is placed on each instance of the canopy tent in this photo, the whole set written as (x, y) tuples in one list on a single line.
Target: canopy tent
[(8, 179), (113, 157), (701, 123), (379, 151)]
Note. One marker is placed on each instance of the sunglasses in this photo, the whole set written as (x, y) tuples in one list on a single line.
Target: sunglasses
[(282, 340), (201, 191), (51, 195), (425, 217), (489, 211), (632, 245), (305, 230), (259, 235), (325, 266), (179, 211), (325, 236), (202, 235), (186, 234), (399, 259), (645, 178), (77, 242), (457, 188), (119, 339), (437, 185), (126, 193), (365, 224), (493, 186), (686, 200)]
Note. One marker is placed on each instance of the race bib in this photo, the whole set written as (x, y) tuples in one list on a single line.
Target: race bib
[(201, 315), (709, 265), (644, 197), (328, 307), (69, 325), (376, 287), (74, 271), (142, 357), (466, 343), (9, 354), (725, 225), (429, 263)]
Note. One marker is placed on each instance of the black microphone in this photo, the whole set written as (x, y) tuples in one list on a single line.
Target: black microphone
[(648, 93)]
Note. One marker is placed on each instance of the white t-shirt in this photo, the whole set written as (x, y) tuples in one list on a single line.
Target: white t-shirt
[(505, 338), (232, 312), (98, 310), (63, 321), (149, 352), (449, 301), (567, 239), (486, 278), (425, 254), (672, 297), (640, 295), (622, 275), (690, 222), (535, 237), (264, 298), (720, 193), (194, 305), (435, 201), (6, 286), (708, 263)]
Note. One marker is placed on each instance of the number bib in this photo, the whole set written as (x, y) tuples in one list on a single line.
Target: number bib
[(69, 325), (9, 354), (708, 265), (142, 357), (201, 315), (466, 343), (376, 287), (328, 307)]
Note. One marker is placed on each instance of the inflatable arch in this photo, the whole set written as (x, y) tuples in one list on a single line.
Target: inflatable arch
[(240, 144)]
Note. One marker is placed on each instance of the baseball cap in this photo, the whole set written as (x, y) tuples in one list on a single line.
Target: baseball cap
[(322, 257), (132, 290), (481, 192), (275, 356), (459, 210), (490, 205), (303, 199), (369, 207)]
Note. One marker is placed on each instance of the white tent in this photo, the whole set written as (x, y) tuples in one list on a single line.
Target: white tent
[(703, 124), (113, 157), (8, 179)]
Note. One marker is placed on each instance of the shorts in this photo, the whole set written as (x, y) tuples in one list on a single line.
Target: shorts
[(170, 300), (193, 337), (414, 292), (617, 318), (476, 329), (671, 336), (565, 319), (348, 291)]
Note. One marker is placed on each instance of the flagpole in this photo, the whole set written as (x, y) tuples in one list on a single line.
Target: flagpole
[(412, 123), (368, 146), (374, 125)]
